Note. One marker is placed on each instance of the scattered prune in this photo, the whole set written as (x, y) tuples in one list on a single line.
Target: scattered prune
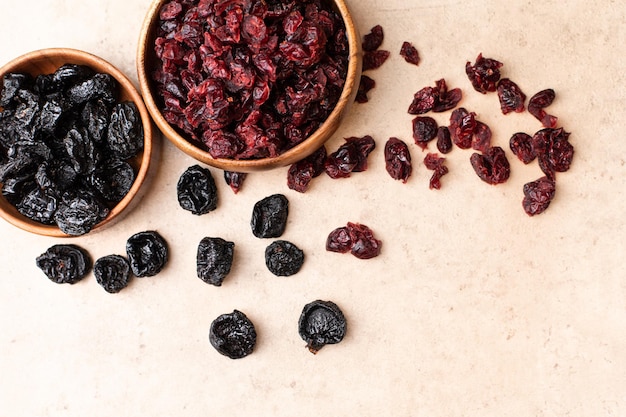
[(214, 260), (424, 130), (398, 159), (484, 74), (125, 131), (235, 180), (409, 53), (435, 163), (538, 195), (444, 142), (538, 103), (374, 39), (321, 323), (365, 85), (492, 166), (349, 157), (553, 149), (233, 335), (374, 59), (462, 126), (269, 216), (301, 173), (64, 263), (283, 258), (197, 191), (112, 272), (147, 253), (511, 96), (357, 238), (78, 212), (522, 147)]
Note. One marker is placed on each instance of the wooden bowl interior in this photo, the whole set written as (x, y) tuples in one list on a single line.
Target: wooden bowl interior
[(146, 61), (46, 61)]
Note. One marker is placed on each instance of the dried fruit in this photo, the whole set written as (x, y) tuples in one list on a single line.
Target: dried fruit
[(538, 103), (484, 74), (374, 39), (462, 126), (437, 99), (64, 263), (435, 163), (374, 59), (424, 130), (538, 195), (357, 238), (112, 272), (349, 157), (214, 260), (125, 131), (492, 166), (522, 147), (409, 53), (339, 240), (321, 323), (147, 252), (283, 258), (269, 216), (234, 180), (233, 335), (197, 191), (78, 212), (511, 96), (444, 142), (398, 159), (553, 150), (301, 173), (365, 85)]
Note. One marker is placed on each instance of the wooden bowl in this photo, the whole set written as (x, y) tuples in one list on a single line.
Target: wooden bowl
[(46, 61), (147, 61)]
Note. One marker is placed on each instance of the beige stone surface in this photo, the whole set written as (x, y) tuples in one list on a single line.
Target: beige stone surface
[(472, 309)]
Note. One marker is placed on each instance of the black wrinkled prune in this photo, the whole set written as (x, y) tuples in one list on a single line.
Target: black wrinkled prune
[(233, 335), (65, 76), (64, 263), (113, 179), (283, 258), (147, 253), (11, 84), (269, 216), (83, 153), (197, 191), (100, 86), (78, 212), (125, 130), (39, 205), (112, 272), (321, 323), (214, 260)]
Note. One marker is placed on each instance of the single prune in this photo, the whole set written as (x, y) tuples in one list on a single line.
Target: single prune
[(398, 159), (65, 76), (95, 118), (234, 180), (197, 191), (511, 96), (79, 211), (39, 204), (339, 240), (321, 323), (83, 153), (435, 163), (283, 258), (538, 103), (125, 130), (64, 263), (214, 259), (492, 166), (233, 335), (51, 114), (113, 179), (444, 142), (409, 53), (269, 216), (147, 253), (484, 74), (100, 86), (424, 130), (112, 272), (373, 39), (12, 83), (521, 145), (365, 85), (349, 157), (374, 59), (538, 195), (462, 126)]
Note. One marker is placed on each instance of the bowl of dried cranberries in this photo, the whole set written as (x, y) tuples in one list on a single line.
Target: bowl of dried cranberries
[(76, 142), (248, 85)]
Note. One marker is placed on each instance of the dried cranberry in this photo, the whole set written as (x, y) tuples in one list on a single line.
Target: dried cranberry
[(374, 39), (481, 140), (357, 238), (462, 126), (409, 53), (424, 130), (398, 159), (538, 195), (484, 74), (350, 157), (492, 166), (521, 145), (365, 86), (437, 99), (444, 142), (553, 150), (374, 59), (536, 106), (339, 240), (234, 180), (435, 163), (301, 173), (423, 101), (511, 96)]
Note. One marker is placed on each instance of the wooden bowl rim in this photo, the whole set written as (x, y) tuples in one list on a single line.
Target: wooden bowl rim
[(75, 56), (298, 152)]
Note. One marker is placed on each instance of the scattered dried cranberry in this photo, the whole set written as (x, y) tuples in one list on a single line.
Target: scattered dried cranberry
[(374, 39), (462, 126), (538, 195), (301, 173), (350, 157), (437, 99), (511, 96), (522, 147), (234, 180), (536, 106), (374, 59), (409, 53), (357, 237), (553, 150), (435, 163), (444, 142), (481, 140), (484, 74), (339, 240), (365, 86), (424, 130), (492, 166), (423, 101), (398, 159)]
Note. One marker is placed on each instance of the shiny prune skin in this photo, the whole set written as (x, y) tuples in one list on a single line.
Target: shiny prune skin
[(398, 159), (78, 212), (321, 323), (125, 130), (233, 335), (537, 195), (491, 166), (113, 179), (269, 216), (147, 253), (214, 260), (283, 258), (65, 263), (197, 191), (112, 272)]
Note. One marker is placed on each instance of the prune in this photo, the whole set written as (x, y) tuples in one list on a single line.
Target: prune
[(357, 238), (197, 191), (484, 74), (269, 216), (373, 39), (321, 323), (444, 142), (538, 103), (283, 258), (233, 335), (462, 126), (511, 96), (522, 147), (78, 212), (349, 157), (100, 86), (65, 263), (365, 85), (339, 240), (112, 272), (492, 166), (301, 173), (234, 180), (553, 149), (83, 152), (214, 260), (374, 59), (424, 130), (409, 53), (95, 118), (39, 205), (398, 159), (11, 84), (125, 130), (435, 163), (538, 195), (147, 253), (113, 179)]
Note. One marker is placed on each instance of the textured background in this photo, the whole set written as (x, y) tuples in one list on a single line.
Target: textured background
[(472, 309)]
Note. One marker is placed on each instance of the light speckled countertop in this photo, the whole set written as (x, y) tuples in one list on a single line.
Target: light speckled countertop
[(472, 309)]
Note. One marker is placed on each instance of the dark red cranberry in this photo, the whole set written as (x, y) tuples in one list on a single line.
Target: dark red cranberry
[(435, 163), (511, 97), (521, 145), (492, 166), (409, 53), (484, 74), (538, 103), (424, 130), (538, 195), (462, 126), (373, 39), (398, 159)]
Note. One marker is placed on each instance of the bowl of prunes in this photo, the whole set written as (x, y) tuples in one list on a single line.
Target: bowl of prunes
[(76, 142), (248, 85)]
